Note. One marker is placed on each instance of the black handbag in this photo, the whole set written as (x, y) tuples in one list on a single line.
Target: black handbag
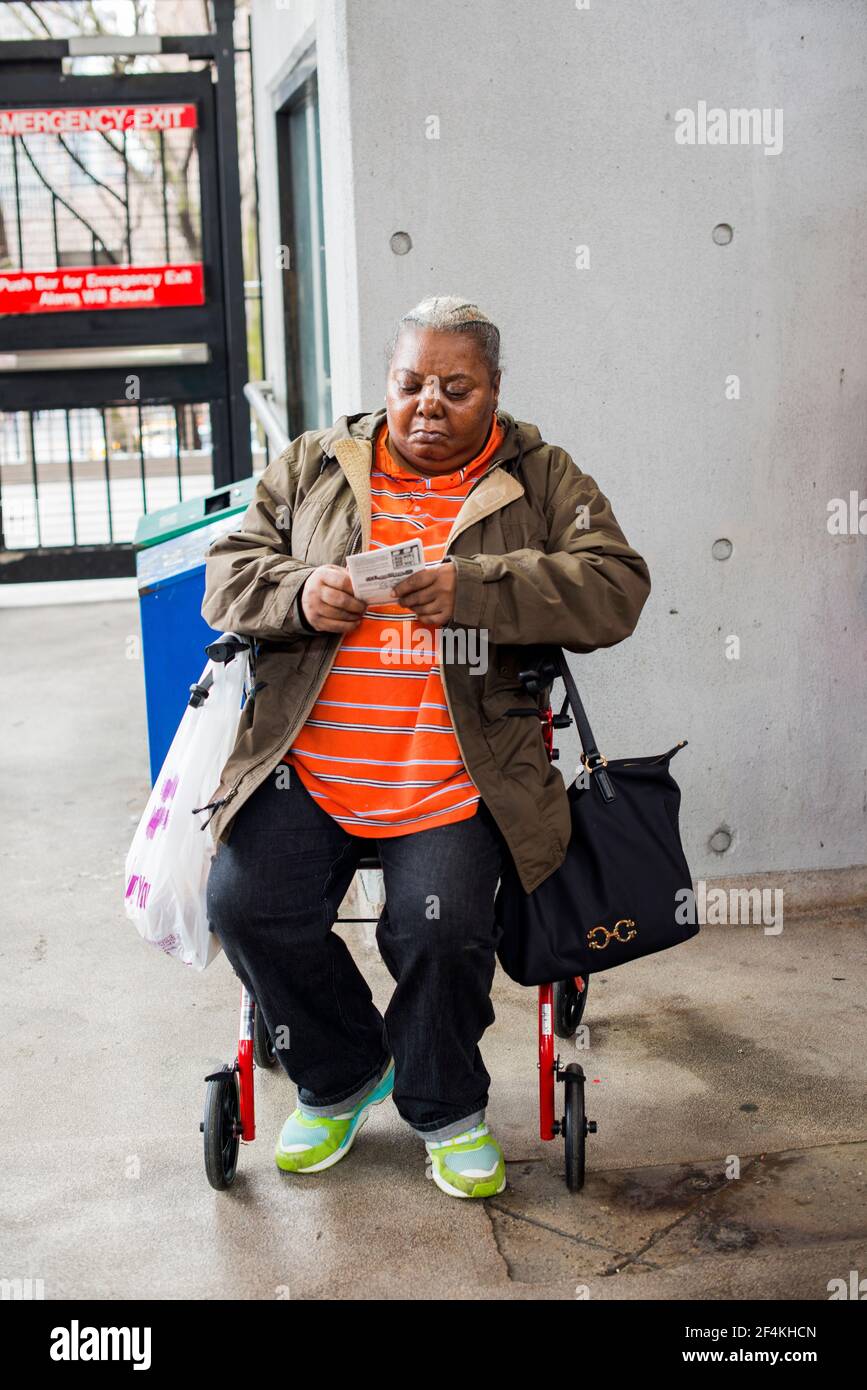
[(624, 889)]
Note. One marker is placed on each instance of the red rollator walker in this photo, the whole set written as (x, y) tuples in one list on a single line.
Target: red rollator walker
[(229, 1116)]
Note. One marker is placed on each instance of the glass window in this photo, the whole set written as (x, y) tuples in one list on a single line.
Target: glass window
[(308, 388)]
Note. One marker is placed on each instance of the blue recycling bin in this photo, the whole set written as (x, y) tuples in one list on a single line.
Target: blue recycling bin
[(170, 547)]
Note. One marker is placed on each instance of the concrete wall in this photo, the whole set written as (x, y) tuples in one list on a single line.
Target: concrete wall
[(557, 130)]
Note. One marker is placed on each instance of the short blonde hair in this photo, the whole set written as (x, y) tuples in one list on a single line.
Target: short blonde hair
[(452, 313)]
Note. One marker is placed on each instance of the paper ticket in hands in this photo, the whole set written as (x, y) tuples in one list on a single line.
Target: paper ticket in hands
[(374, 573)]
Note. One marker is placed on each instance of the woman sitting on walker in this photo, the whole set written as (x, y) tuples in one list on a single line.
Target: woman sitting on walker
[(342, 745)]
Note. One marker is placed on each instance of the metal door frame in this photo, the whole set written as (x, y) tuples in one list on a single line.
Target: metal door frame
[(31, 75)]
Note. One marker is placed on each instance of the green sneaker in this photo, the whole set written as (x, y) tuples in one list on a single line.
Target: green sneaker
[(309, 1143), (468, 1165)]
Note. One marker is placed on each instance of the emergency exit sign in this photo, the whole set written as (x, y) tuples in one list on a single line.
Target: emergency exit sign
[(52, 147), (64, 120)]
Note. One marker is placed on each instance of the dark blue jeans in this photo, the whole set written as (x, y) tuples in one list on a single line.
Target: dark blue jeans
[(273, 894)]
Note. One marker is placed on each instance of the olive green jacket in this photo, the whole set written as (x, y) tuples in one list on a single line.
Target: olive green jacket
[(540, 559)]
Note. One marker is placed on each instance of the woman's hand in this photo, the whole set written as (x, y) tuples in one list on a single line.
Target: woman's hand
[(430, 593), (327, 600)]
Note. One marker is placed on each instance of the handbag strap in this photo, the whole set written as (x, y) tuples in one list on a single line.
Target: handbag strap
[(593, 760), (582, 723)]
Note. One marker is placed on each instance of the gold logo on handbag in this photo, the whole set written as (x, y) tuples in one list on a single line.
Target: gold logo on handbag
[(612, 935)]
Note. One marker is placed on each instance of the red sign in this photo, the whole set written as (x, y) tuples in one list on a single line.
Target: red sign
[(62, 119), (100, 287)]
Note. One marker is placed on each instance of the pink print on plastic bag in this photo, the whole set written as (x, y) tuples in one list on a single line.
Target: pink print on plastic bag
[(160, 814), (139, 888)]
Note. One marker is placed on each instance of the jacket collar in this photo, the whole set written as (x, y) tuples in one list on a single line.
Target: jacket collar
[(520, 437), (350, 441)]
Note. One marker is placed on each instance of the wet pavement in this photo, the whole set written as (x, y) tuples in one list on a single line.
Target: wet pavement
[(727, 1079)]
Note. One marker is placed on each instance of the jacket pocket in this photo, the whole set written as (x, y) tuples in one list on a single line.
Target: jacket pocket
[(509, 695), (305, 524)]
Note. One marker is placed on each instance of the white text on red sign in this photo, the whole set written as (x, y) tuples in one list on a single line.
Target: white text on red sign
[(101, 287), (63, 119)]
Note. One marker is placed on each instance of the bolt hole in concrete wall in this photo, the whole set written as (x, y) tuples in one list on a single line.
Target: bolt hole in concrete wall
[(721, 840), (401, 243)]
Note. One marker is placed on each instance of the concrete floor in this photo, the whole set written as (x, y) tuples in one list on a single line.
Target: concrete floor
[(737, 1044)]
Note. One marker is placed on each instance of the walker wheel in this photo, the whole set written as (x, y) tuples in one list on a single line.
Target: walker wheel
[(264, 1051), (221, 1127), (576, 1127), (569, 1004)]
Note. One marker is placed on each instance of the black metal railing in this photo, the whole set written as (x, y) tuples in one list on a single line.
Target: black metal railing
[(84, 477)]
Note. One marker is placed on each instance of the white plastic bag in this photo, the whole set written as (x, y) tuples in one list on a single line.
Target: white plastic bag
[(170, 857)]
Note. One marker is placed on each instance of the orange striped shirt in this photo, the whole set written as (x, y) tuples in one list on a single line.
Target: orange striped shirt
[(378, 751)]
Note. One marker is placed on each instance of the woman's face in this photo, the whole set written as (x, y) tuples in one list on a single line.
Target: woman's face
[(439, 399)]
